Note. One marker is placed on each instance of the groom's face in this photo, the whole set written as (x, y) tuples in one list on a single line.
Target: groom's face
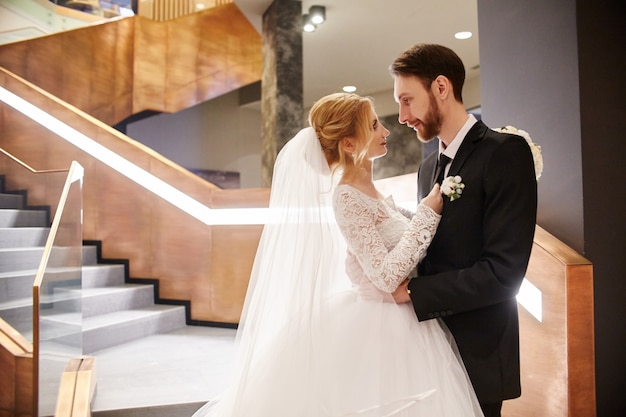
[(418, 108)]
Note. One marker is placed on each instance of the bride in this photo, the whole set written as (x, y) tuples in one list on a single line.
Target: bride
[(320, 334)]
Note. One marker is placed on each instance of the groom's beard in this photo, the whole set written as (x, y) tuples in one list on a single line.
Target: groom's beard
[(431, 125)]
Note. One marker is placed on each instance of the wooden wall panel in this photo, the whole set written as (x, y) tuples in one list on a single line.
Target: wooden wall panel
[(207, 265), (111, 75), (111, 71), (79, 66), (149, 65), (557, 353), (123, 80), (83, 50), (16, 373), (124, 66), (181, 56), (44, 62), (237, 243)]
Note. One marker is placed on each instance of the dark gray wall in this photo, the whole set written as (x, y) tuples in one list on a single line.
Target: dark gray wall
[(602, 67), (557, 69), (529, 74)]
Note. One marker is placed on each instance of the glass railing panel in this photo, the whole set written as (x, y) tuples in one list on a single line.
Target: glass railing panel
[(40, 250), (57, 293), (25, 218)]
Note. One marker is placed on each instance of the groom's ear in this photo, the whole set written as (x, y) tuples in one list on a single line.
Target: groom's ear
[(442, 87)]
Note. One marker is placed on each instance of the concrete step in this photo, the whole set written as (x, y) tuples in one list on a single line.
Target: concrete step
[(29, 258), (112, 329), (56, 311), (102, 331), (23, 237), (169, 410), (104, 300), (18, 313), (23, 218), (11, 201), (90, 255), (95, 276), (20, 259), (16, 297), (18, 284)]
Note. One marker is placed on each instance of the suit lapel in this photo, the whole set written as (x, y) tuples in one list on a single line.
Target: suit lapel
[(426, 177), (473, 137)]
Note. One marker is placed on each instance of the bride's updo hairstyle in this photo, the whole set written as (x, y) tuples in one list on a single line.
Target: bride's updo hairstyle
[(341, 115)]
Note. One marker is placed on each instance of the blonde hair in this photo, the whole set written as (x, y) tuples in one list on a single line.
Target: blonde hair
[(341, 115)]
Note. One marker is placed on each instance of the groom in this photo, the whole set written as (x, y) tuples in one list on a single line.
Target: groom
[(477, 260)]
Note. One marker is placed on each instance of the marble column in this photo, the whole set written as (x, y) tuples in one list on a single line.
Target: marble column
[(282, 80)]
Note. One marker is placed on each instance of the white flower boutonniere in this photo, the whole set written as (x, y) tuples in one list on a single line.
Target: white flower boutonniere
[(535, 149), (452, 187)]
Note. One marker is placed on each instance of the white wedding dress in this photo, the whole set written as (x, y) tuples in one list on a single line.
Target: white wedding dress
[(349, 350)]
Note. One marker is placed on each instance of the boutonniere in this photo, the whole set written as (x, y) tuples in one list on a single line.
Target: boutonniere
[(452, 187), (534, 148)]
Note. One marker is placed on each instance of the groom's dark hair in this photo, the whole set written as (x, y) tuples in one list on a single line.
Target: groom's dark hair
[(427, 62)]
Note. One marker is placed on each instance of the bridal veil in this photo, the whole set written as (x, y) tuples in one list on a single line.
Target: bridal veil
[(299, 262)]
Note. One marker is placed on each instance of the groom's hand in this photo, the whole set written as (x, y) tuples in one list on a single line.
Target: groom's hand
[(401, 294)]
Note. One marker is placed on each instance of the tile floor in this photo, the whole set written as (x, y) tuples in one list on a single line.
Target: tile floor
[(186, 366)]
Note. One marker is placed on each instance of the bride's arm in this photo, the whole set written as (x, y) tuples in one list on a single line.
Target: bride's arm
[(434, 200), (405, 212), (385, 269)]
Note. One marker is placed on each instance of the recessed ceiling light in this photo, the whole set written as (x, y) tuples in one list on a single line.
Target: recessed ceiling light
[(463, 35), (349, 88)]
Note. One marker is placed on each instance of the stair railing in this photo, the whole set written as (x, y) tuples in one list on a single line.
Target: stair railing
[(28, 167), (56, 332), (57, 305)]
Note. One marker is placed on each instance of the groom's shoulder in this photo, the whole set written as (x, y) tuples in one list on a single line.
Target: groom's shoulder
[(489, 137)]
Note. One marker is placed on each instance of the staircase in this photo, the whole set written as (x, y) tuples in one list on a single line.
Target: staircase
[(114, 312), (150, 364)]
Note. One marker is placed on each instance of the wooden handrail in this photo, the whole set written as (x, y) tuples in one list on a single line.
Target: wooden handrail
[(28, 167), (78, 384)]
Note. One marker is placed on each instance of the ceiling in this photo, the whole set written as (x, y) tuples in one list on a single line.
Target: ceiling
[(360, 38)]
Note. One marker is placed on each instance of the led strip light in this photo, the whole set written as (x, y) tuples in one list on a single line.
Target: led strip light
[(208, 216)]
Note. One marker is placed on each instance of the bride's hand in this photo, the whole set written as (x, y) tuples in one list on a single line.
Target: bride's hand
[(434, 200), (401, 294)]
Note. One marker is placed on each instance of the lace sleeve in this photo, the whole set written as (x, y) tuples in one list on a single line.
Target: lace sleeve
[(405, 212), (386, 269)]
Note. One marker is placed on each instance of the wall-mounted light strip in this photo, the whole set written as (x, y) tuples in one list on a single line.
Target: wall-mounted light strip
[(243, 216)]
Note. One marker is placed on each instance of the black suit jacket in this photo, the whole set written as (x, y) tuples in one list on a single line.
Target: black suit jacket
[(476, 262)]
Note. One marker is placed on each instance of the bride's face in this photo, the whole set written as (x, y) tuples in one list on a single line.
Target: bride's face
[(378, 142)]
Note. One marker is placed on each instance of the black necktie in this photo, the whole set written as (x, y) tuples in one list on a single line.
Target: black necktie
[(441, 168)]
